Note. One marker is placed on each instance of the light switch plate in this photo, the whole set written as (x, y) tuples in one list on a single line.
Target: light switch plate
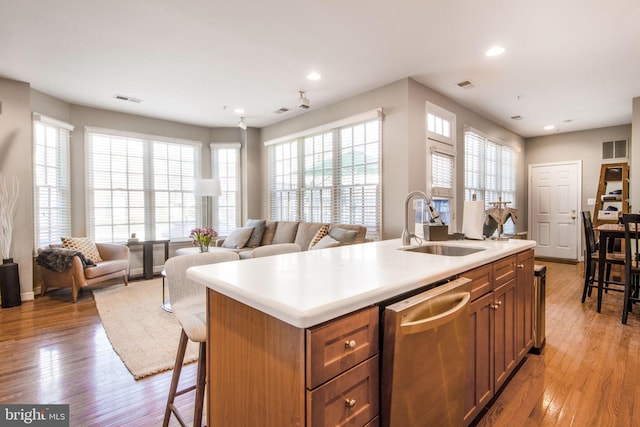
[(591, 202)]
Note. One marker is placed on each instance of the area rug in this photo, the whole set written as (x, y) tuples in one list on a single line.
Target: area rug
[(143, 334)]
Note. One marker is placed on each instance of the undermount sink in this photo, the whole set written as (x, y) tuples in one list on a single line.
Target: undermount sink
[(445, 250)]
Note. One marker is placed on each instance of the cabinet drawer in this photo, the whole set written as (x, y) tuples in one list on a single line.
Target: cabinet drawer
[(340, 344), (349, 399), (503, 271), (481, 280)]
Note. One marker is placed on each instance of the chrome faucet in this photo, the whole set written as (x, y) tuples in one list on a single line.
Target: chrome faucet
[(406, 235)]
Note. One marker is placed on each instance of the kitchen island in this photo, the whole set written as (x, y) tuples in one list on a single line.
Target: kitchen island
[(287, 333)]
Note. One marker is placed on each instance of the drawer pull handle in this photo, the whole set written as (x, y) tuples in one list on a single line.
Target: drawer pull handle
[(349, 345), (520, 265), (350, 403)]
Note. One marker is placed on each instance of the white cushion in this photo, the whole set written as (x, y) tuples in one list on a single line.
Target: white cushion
[(326, 242)]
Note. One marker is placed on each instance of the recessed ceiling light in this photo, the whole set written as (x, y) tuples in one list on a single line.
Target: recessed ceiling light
[(549, 127), (314, 76), (238, 110), (495, 51)]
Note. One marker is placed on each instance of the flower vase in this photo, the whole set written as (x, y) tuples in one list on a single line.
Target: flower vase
[(9, 283), (204, 247)]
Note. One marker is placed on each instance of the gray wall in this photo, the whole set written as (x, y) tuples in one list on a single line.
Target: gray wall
[(584, 145), (16, 158), (404, 148)]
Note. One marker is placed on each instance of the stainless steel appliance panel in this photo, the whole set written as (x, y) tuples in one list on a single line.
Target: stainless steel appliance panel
[(424, 357)]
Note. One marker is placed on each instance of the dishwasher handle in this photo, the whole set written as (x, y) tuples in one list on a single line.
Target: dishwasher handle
[(421, 325)]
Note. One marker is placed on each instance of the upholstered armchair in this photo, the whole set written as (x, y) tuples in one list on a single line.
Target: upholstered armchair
[(114, 265)]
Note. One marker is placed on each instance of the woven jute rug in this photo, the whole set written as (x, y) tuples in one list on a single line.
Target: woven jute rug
[(143, 334)]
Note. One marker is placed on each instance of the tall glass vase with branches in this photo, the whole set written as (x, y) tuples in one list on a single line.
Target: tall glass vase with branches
[(8, 200)]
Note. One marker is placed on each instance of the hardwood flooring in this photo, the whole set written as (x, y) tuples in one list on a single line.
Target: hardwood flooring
[(53, 351)]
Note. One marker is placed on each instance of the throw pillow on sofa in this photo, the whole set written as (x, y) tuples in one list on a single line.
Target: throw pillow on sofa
[(84, 245), (323, 231), (259, 226), (342, 235), (238, 238), (326, 242)]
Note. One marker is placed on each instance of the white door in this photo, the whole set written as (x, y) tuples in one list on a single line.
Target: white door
[(554, 203)]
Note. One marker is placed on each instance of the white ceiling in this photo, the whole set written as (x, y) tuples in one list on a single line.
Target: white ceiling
[(566, 60)]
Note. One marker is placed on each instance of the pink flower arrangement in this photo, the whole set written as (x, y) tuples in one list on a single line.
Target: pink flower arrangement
[(202, 237)]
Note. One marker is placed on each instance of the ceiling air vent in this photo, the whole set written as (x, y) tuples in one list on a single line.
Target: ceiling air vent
[(281, 110), (127, 98), (467, 84), (614, 149)]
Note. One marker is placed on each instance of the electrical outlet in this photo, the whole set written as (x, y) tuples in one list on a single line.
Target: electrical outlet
[(591, 202)]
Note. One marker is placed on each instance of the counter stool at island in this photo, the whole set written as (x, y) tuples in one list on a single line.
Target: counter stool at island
[(188, 304)]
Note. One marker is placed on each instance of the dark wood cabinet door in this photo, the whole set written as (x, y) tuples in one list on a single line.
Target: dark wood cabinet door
[(480, 377), (524, 303), (505, 337)]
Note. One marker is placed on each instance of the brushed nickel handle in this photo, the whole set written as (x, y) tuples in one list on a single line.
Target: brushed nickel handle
[(350, 403), (520, 266), (349, 345), (495, 306)]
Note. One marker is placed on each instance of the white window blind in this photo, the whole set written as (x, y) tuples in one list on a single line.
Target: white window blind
[(140, 184), (330, 176), (225, 164), (490, 172), (52, 183), (442, 185)]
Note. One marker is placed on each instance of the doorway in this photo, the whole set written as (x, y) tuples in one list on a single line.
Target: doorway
[(554, 203)]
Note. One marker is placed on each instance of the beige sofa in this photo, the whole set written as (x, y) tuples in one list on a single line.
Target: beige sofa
[(288, 236)]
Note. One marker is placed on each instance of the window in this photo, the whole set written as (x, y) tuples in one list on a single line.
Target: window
[(442, 185), (225, 160), (52, 187), (441, 126), (329, 175), (490, 172), (140, 184)]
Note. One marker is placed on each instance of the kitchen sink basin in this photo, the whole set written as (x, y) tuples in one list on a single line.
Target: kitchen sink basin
[(445, 250)]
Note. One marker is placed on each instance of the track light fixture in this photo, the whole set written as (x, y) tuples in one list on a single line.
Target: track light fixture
[(303, 102), (242, 124)]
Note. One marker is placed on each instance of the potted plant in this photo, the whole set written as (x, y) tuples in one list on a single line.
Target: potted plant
[(202, 237), (9, 277)]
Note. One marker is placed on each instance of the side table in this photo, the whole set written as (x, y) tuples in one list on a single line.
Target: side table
[(147, 255)]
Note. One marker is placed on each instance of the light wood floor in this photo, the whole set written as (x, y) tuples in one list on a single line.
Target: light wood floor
[(53, 351)]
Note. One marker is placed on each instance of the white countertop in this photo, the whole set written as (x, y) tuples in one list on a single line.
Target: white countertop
[(308, 288)]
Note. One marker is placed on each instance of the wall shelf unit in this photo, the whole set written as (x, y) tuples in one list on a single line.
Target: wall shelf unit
[(612, 199)]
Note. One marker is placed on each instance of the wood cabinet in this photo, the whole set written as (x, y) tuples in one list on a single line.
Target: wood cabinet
[(262, 371), (343, 370), (524, 302), (501, 326)]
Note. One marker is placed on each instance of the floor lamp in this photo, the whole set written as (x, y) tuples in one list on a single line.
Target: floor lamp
[(207, 188)]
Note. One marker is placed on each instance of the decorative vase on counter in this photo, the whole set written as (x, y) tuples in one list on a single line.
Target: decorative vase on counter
[(9, 283)]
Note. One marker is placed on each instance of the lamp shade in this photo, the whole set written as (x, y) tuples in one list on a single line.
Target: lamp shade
[(206, 187)]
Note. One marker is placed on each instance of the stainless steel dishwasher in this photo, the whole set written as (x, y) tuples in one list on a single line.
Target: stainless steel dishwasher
[(424, 357)]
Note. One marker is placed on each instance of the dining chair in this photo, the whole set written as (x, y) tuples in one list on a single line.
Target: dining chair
[(592, 255), (632, 263), (189, 306)]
